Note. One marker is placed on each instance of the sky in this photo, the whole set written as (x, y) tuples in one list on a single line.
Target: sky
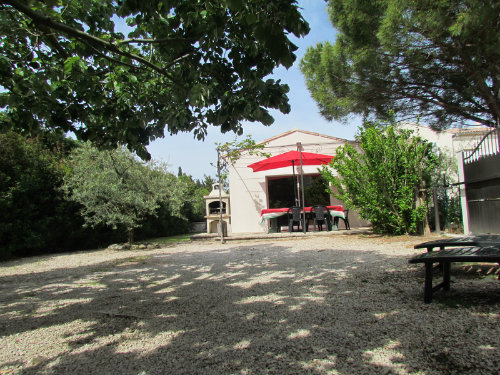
[(195, 157)]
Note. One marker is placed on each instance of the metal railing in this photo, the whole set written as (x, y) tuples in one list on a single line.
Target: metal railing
[(488, 145)]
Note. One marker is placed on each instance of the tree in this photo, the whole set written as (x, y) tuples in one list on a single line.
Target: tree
[(116, 189), (190, 198), (185, 65), (34, 218), (206, 183), (435, 59), (227, 154), (386, 180)]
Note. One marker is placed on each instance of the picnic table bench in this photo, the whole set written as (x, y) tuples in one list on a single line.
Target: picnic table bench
[(478, 240), (483, 248)]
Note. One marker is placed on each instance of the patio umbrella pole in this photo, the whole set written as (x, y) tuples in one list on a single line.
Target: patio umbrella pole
[(295, 195), (302, 188)]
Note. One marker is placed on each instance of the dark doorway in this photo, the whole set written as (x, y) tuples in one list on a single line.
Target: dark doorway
[(315, 191), (281, 191)]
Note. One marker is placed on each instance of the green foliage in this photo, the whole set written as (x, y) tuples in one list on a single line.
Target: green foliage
[(195, 203), (117, 190), (448, 198), (434, 59), (207, 182), (450, 211), (33, 216), (187, 196), (162, 223), (183, 66), (229, 152), (36, 219), (384, 180)]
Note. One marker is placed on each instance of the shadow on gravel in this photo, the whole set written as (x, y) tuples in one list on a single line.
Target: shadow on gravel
[(253, 309)]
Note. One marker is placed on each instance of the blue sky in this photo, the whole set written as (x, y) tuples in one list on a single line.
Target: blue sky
[(194, 157)]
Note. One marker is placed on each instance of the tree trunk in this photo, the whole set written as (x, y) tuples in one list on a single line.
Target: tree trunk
[(130, 237), (423, 227)]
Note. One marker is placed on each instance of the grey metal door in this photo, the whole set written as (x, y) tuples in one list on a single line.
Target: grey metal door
[(482, 186)]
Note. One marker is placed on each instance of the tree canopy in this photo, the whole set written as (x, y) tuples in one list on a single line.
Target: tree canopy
[(185, 65), (384, 181), (434, 59), (117, 190)]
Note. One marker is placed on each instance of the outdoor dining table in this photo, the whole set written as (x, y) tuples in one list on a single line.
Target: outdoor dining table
[(274, 213)]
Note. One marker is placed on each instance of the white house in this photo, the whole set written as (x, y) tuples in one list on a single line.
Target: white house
[(250, 192)]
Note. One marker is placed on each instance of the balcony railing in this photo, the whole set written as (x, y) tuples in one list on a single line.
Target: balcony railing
[(488, 145)]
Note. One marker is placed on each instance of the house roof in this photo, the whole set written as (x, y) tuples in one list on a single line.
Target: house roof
[(337, 139), (471, 131), (426, 127), (479, 129)]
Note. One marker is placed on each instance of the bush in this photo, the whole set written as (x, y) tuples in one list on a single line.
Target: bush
[(386, 179), (34, 216)]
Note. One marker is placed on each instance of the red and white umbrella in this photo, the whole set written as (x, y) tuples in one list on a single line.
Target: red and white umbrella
[(290, 159)]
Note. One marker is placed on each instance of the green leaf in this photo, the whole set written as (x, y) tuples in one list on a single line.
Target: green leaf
[(235, 5), (70, 62), (251, 19), (381, 181), (385, 48)]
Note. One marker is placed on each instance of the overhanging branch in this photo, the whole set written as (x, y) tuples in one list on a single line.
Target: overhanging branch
[(47, 22)]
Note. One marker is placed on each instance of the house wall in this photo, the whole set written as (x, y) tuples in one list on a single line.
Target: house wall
[(451, 141), (442, 139), (248, 189)]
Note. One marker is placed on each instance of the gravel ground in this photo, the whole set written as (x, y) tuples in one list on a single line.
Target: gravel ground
[(323, 305)]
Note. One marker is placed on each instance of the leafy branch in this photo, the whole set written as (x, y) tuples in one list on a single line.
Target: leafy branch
[(44, 22), (227, 154)]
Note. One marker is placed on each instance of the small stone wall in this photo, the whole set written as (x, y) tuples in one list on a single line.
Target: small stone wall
[(198, 227)]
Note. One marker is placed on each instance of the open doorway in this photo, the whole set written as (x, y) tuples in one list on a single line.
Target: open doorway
[(281, 192)]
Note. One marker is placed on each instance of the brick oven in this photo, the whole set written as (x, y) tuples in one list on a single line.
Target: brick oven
[(213, 207)]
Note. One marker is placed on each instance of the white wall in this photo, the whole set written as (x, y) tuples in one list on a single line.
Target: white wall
[(451, 141), (442, 139)]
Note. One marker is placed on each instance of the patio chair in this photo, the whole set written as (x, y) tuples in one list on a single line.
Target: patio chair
[(346, 220), (320, 216), (295, 216)]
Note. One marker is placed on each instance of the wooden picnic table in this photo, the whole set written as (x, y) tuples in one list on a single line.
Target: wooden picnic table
[(478, 240), (490, 254)]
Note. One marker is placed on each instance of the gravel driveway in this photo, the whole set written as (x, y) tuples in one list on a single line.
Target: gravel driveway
[(333, 304)]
